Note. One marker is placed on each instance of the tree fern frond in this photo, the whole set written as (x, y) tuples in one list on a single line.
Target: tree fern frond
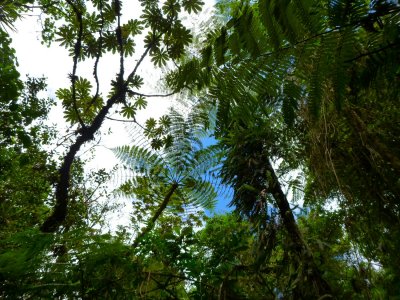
[(341, 13), (136, 136), (309, 15), (199, 192), (249, 31), (220, 47), (284, 16), (141, 160), (185, 164), (206, 56), (234, 44), (274, 33), (187, 76), (324, 54), (344, 51)]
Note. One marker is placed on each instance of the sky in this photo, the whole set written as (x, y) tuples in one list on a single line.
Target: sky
[(54, 63)]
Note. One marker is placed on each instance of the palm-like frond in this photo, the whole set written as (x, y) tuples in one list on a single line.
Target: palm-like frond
[(185, 163), (141, 160)]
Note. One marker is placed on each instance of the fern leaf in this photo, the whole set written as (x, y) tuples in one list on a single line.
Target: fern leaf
[(344, 51), (220, 47), (264, 6)]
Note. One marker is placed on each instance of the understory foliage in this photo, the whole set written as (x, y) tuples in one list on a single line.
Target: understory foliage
[(291, 110)]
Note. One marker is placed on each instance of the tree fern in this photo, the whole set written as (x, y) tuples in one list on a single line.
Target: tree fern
[(220, 47), (343, 53), (312, 40), (323, 66), (178, 178), (266, 18)]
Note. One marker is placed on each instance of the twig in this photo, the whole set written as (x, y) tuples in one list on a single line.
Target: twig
[(372, 52), (155, 95), (137, 65)]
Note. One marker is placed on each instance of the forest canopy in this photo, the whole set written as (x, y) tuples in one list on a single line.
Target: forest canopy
[(286, 110)]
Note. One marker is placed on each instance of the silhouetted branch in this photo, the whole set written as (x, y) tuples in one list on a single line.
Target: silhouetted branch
[(77, 51)]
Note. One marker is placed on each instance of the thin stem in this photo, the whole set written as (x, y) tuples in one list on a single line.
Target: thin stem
[(149, 95), (96, 63), (137, 66), (158, 213)]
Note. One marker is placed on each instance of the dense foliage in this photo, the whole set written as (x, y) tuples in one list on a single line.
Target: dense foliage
[(290, 114)]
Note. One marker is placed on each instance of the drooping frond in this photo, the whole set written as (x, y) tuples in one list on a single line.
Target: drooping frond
[(266, 43)]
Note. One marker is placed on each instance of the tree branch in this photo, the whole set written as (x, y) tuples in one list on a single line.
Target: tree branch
[(155, 95), (53, 222), (77, 51), (59, 214), (118, 33), (299, 246), (388, 46), (96, 63), (119, 120), (137, 66)]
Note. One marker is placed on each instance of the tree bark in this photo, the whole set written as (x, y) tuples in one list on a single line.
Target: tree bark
[(86, 133), (299, 246), (60, 211)]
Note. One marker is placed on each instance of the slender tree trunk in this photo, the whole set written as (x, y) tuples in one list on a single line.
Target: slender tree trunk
[(299, 246), (158, 213)]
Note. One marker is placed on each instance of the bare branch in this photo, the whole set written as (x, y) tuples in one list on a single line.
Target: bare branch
[(147, 95), (137, 66), (119, 120), (96, 63)]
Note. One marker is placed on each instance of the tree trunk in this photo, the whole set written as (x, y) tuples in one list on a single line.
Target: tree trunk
[(299, 246), (158, 213)]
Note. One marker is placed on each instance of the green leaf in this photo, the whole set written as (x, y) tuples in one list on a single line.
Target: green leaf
[(140, 103), (159, 57), (192, 5), (136, 82), (133, 27), (128, 111), (165, 121), (150, 124), (171, 8)]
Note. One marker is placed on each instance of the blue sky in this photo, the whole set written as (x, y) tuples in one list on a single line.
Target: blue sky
[(224, 193)]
